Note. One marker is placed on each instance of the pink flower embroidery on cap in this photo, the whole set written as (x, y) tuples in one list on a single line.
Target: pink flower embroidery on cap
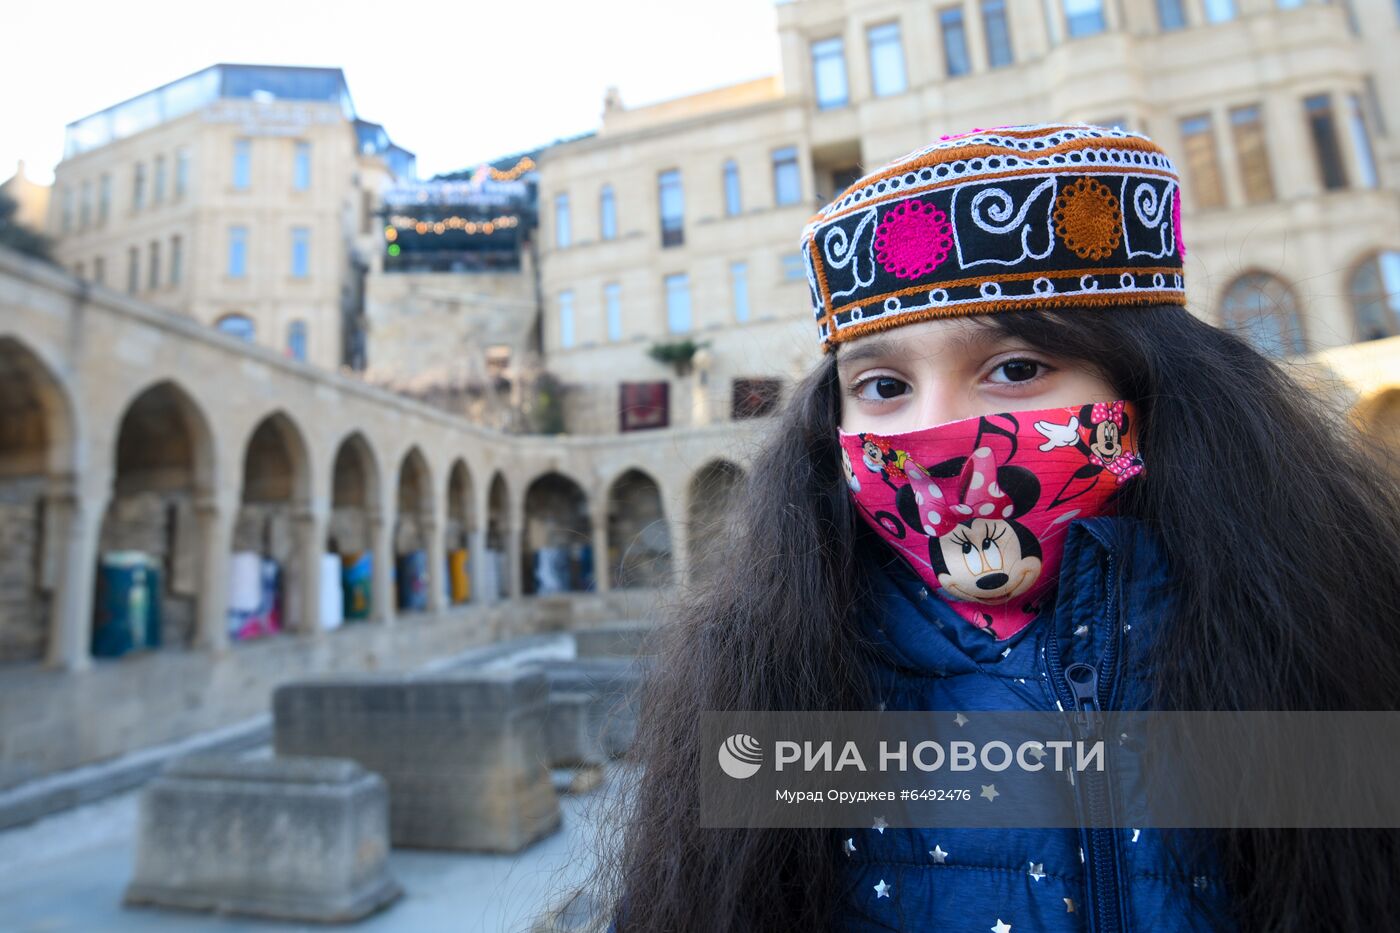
[(913, 239), (1176, 223)]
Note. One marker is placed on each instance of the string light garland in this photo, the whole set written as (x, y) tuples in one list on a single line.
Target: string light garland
[(511, 174), (472, 227)]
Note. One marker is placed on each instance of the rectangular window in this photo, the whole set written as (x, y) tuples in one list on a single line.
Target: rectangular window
[(133, 269), (612, 305), (182, 172), (301, 166), (296, 340), (158, 188), (563, 228), (793, 268), (566, 319), (85, 206), (787, 179), (1085, 17), (177, 259), (886, 60), (672, 200), (1171, 14), (643, 405), (998, 32), (1361, 141), (1288, 4), (739, 286), (754, 398), (138, 187), (1202, 164), (99, 270), (301, 252), (1252, 151), (104, 199), (1220, 11), (829, 72), (237, 252), (733, 201), (678, 303), (153, 267), (607, 214), (242, 163), (955, 60), (1322, 124)]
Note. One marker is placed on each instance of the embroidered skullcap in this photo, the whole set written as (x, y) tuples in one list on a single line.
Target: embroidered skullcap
[(1030, 216)]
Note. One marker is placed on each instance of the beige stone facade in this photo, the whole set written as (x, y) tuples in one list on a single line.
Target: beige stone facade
[(1278, 116), (236, 209)]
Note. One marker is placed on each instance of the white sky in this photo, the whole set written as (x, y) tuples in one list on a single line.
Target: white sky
[(455, 82)]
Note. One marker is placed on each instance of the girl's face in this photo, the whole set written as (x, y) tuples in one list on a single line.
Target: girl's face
[(931, 372)]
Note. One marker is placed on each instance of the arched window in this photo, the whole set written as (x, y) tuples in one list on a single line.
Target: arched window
[(1375, 296), (1261, 309), (237, 325)]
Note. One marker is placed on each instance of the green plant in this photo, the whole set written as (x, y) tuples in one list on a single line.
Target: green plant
[(678, 353)]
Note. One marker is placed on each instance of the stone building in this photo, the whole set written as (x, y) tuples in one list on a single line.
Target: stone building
[(240, 195), (680, 220)]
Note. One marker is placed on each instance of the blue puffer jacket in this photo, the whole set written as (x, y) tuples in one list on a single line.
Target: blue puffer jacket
[(1112, 596)]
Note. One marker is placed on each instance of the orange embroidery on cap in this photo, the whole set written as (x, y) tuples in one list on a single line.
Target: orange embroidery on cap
[(1088, 219)]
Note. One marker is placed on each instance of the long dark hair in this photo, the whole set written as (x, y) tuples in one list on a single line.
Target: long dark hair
[(1281, 528)]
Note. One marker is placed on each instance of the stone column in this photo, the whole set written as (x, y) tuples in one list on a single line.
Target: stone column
[(476, 559), (602, 566), (310, 525), (677, 513), (382, 595), (515, 548), (77, 527), (437, 564), (216, 516)]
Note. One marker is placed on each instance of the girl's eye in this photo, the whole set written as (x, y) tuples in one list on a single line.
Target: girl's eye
[(885, 387), (1019, 370)]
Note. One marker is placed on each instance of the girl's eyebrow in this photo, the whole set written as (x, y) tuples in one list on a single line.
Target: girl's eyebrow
[(869, 348)]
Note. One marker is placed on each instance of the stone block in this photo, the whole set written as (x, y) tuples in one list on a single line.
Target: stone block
[(624, 640), (573, 737), (291, 838), (465, 752), (614, 684)]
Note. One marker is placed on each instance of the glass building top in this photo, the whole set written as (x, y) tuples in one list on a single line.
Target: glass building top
[(237, 82)]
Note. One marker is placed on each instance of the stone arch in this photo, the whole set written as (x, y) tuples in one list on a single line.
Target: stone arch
[(267, 569), (1264, 310), (355, 513), (152, 540), (710, 497), (458, 529), (556, 542), (639, 536), (498, 544), (413, 522), (36, 464)]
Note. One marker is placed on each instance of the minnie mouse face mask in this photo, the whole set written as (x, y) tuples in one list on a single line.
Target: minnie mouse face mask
[(980, 507)]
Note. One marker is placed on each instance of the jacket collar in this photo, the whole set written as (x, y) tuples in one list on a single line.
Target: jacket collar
[(919, 631)]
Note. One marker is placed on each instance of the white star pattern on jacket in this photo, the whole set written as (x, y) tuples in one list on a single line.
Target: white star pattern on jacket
[(1001, 927), (882, 889)]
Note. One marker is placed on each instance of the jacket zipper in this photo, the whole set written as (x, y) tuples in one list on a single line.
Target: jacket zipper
[(1085, 690)]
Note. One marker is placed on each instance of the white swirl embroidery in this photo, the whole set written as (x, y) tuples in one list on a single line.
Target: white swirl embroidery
[(841, 252), (998, 219)]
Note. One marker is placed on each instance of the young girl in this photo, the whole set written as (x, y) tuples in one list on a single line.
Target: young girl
[(1019, 453)]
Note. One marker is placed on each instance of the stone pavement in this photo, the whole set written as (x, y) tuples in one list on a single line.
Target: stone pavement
[(66, 873)]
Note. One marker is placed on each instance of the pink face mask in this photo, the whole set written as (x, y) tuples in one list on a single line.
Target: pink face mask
[(980, 507)]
